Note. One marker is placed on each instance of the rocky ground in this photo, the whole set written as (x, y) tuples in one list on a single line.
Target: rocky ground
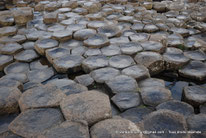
[(102, 69)]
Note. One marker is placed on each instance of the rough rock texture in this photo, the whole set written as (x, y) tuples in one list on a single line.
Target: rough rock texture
[(152, 60), (165, 120), (33, 122), (9, 100), (67, 129), (125, 100), (41, 97), (122, 83), (153, 96), (177, 106), (91, 106), (194, 70), (113, 127), (194, 95), (197, 123)]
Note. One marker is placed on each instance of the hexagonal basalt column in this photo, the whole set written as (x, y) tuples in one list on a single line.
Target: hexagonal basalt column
[(68, 64)]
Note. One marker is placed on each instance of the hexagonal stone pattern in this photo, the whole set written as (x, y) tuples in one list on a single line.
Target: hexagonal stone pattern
[(84, 34), (151, 82), (17, 67), (4, 61), (153, 96), (9, 100), (63, 35), (152, 46), (73, 88), (194, 95), (108, 127), (68, 129), (139, 72), (94, 62), (174, 59), (195, 55), (194, 70), (55, 53), (165, 120), (26, 56), (41, 97), (109, 31), (42, 45), (97, 41), (126, 100), (70, 63), (85, 80), (92, 52), (122, 83), (10, 83), (121, 61), (152, 60), (177, 106), (6, 31), (21, 77), (111, 50), (142, 57), (137, 114), (95, 106), (104, 74), (35, 121), (11, 48), (40, 75), (131, 48)]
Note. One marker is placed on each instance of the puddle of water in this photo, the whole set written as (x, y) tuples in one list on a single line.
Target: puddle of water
[(176, 83)]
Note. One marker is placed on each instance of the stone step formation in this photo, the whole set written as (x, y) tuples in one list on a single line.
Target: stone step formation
[(102, 69)]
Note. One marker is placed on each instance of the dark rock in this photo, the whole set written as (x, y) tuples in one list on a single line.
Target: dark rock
[(41, 97), (167, 121), (122, 83), (125, 100), (177, 106), (34, 121)]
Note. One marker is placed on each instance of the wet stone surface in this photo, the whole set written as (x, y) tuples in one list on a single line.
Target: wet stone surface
[(92, 68)]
